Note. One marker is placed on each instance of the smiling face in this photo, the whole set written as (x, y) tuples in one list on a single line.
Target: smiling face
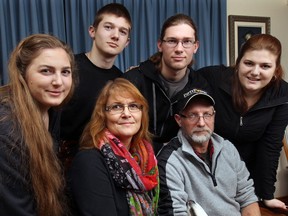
[(111, 35), (175, 60), (49, 77), (126, 124), (256, 69)]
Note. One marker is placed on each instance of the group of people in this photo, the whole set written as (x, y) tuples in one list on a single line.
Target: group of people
[(158, 139)]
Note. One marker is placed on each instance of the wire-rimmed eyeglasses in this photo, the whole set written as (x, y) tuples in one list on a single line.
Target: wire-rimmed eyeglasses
[(193, 118), (119, 108), (187, 43)]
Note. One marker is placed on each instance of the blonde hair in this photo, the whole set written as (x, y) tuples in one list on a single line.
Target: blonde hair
[(44, 170), (95, 129)]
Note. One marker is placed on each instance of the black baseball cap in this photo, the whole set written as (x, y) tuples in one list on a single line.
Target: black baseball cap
[(186, 97)]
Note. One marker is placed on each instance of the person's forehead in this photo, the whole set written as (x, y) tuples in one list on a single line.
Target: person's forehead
[(118, 97), (182, 30), (115, 20)]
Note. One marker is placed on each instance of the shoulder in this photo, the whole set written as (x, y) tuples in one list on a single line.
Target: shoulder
[(223, 145), (277, 95), (213, 68), (80, 57), (88, 156), (138, 74), (215, 72), (283, 88), (168, 150), (143, 68), (88, 159), (115, 69), (6, 120)]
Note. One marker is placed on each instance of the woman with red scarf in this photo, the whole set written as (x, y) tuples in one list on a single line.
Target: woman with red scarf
[(115, 172)]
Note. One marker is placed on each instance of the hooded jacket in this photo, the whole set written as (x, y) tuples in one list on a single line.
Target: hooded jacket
[(222, 190), (161, 108), (258, 133)]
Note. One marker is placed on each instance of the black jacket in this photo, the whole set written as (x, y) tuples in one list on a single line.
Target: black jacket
[(16, 192), (92, 188), (161, 113), (256, 134)]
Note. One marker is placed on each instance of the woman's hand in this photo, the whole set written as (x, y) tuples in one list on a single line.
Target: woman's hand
[(274, 203)]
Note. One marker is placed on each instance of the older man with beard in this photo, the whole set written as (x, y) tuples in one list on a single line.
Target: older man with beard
[(201, 167)]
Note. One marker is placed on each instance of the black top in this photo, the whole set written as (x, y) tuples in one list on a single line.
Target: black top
[(93, 190), (16, 192), (78, 111)]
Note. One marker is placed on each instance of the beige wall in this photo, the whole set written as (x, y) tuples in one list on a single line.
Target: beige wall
[(277, 10)]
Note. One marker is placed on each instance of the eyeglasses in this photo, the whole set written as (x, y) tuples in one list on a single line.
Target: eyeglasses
[(119, 108), (194, 118), (172, 43)]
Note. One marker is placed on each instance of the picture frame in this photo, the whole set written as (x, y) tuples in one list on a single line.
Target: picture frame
[(241, 28), (285, 143)]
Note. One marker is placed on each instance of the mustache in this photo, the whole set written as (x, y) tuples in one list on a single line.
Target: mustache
[(202, 130)]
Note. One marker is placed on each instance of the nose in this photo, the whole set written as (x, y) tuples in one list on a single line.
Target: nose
[(126, 111), (57, 79), (115, 34), (255, 71), (179, 46), (201, 121)]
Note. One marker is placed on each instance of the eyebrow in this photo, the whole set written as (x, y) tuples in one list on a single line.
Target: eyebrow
[(50, 66), (184, 38), (120, 27)]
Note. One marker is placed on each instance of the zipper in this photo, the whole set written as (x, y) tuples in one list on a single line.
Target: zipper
[(170, 112), (214, 171), (241, 120)]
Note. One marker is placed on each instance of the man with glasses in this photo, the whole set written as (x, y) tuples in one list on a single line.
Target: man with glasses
[(166, 74), (200, 168)]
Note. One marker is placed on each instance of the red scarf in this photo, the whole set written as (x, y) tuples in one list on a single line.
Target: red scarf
[(135, 170)]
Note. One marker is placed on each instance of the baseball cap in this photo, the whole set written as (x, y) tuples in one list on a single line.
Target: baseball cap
[(186, 97)]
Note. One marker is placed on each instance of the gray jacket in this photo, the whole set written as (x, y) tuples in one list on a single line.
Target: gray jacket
[(222, 190)]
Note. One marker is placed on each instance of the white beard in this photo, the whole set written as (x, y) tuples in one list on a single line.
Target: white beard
[(201, 138)]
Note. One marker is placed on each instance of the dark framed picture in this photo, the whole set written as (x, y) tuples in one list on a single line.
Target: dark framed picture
[(241, 28), (285, 143)]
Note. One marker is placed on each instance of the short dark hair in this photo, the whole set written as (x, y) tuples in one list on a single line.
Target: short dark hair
[(116, 9)]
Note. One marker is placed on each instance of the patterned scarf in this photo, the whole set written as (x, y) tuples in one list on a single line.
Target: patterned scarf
[(135, 170)]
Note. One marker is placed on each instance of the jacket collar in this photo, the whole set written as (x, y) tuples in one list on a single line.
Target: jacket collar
[(149, 70)]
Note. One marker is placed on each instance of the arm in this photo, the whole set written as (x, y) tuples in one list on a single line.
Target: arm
[(172, 198), (246, 196), (268, 152), (213, 73), (251, 210), (15, 198), (90, 183)]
